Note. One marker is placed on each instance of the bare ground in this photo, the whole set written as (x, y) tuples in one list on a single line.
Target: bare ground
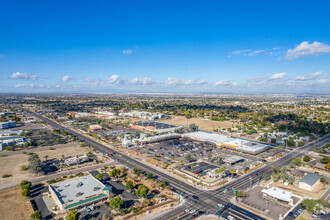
[(202, 124), (11, 164), (14, 206)]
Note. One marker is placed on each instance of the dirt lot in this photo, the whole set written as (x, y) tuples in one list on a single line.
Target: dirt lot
[(11, 164), (14, 206), (202, 124)]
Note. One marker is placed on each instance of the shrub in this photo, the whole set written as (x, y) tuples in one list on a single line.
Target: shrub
[(6, 175), (51, 181), (24, 167)]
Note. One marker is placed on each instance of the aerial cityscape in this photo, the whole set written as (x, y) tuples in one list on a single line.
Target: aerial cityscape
[(164, 110)]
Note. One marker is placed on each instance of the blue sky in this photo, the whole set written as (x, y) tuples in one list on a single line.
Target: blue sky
[(165, 46)]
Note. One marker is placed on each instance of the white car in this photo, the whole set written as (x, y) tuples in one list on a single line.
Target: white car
[(92, 208), (192, 211), (187, 211), (300, 211), (226, 190), (231, 217)]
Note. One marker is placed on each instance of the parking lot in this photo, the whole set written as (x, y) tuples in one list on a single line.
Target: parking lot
[(203, 156), (256, 200)]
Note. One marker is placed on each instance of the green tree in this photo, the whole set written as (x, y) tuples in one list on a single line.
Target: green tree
[(307, 158), (162, 183), (36, 215), (137, 171), (99, 176), (26, 192), (73, 215), (193, 127), (115, 173), (129, 185), (309, 204), (266, 176), (116, 203), (35, 164), (142, 191), (150, 176)]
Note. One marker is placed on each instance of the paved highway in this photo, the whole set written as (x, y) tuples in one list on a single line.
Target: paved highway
[(208, 199)]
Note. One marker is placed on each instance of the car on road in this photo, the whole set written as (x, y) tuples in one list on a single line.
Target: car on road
[(195, 197), (194, 216), (230, 217), (192, 211), (226, 190), (88, 209), (187, 211)]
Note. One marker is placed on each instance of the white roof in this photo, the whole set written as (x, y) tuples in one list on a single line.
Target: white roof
[(278, 194), (66, 191), (213, 137), (243, 145)]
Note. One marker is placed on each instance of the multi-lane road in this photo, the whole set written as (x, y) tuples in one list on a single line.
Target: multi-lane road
[(208, 199)]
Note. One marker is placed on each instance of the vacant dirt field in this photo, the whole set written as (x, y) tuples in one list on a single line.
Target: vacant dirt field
[(202, 124), (14, 206), (11, 164)]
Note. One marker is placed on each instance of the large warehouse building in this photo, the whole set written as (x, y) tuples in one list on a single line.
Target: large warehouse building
[(232, 143), (154, 126)]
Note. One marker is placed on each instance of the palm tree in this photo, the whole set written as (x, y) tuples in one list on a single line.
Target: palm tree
[(232, 172)]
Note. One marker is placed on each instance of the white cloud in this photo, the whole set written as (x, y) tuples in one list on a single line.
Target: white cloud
[(128, 51), (277, 76), (223, 83), (19, 75), (307, 77), (66, 78), (173, 81), (19, 85), (305, 48), (143, 81), (33, 77), (250, 53), (114, 79)]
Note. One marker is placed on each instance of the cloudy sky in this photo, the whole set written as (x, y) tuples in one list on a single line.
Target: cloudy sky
[(165, 46)]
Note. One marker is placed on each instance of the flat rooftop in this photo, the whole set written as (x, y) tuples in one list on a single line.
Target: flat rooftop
[(278, 194), (77, 189), (156, 125), (212, 137), (237, 143)]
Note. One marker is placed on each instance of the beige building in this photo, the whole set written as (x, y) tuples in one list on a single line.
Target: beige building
[(310, 182), (78, 192)]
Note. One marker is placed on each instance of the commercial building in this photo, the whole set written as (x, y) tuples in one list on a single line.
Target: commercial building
[(310, 182), (278, 195), (78, 192), (95, 127), (10, 133), (154, 126), (233, 160), (161, 138), (11, 141), (144, 115), (76, 159), (237, 144), (7, 124)]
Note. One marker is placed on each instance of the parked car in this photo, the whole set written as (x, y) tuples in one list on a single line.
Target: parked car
[(187, 211), (192, 211), (231, 217), (290, 213)]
